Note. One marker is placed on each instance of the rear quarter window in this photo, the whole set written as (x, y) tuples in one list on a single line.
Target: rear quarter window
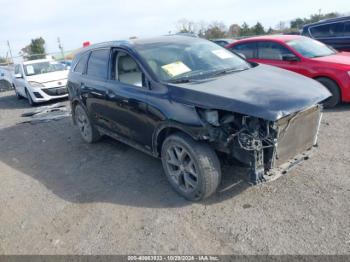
[(328, 30), (81, 64)]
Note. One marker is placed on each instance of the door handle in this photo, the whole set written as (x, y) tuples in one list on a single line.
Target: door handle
[(110, 94), (125, 100)]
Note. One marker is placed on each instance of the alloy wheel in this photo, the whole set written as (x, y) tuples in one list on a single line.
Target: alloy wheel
[(83, 123), (182, 168)]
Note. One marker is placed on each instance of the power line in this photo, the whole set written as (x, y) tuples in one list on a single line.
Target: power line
[(8, 44)]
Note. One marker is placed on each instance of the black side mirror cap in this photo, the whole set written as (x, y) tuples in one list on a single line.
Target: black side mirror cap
[(291, 58)]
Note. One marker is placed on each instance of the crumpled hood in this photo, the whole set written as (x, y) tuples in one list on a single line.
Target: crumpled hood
[(263, 91), (49, 77)]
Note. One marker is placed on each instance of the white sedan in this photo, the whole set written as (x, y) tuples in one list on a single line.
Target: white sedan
[(40, 80)]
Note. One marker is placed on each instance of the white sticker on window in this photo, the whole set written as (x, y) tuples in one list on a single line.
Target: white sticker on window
[(176, 68), (222, 53), (30, 70)]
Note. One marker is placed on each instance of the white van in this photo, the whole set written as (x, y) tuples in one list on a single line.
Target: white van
[(40, 80)]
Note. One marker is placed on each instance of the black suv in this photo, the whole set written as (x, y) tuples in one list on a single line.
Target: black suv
[(334, 32), (196, 106)]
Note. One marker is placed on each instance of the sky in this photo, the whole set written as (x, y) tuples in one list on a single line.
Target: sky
[(76, 21)]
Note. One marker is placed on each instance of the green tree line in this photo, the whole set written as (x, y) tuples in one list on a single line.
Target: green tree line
[(220, 30)]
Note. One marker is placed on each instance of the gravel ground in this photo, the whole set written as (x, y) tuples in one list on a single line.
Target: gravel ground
[(59, 195)]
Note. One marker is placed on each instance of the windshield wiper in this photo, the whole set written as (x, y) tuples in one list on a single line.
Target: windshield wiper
[(228, 71), (180, 80)]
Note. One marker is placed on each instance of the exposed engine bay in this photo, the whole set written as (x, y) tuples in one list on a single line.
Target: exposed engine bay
[(264, 146)]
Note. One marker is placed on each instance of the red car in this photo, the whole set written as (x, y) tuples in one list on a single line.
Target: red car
[(302, 55)]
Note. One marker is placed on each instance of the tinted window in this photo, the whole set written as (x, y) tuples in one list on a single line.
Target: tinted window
[(80, 67), (329, 30), (347, 29), (221, 43), (247, 49), (272, 51), (98, 64), (17, 69)]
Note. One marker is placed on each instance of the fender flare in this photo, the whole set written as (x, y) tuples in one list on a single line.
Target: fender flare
[(196, 133)]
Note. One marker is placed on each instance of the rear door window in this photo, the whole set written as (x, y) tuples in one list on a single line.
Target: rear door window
[(247, 49), (98, 64), (328, 30)]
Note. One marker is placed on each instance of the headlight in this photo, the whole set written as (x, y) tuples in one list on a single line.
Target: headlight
[(35, 84), (349, 73)]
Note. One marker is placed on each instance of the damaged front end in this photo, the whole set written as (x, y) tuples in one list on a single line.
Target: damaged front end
[(268, 148)]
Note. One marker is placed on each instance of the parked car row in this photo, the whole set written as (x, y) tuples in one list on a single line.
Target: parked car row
[(334, 32), (302, 55), (40, 80), (196, 106)]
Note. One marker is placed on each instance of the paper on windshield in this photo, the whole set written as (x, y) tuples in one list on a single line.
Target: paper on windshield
[(176, 68), (222, 53), (30, 70)]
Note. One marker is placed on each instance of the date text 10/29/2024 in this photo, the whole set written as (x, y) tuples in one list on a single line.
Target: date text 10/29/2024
[(173, 258)]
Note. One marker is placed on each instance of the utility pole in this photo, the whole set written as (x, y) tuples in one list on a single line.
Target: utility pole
[(8, 44), (60, 47)]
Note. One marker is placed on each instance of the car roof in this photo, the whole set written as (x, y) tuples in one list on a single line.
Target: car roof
[(141, 41), (324, 21), (278, 38)]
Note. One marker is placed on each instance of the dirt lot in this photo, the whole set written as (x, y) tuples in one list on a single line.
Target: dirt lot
[(59, 195)]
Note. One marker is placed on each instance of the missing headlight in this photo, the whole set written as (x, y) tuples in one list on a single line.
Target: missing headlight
[(212, 117)]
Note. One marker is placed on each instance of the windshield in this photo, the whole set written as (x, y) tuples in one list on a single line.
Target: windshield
[(310, 48), (43, 68), (189, 59)]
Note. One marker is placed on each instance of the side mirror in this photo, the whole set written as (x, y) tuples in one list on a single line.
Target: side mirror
[(291, 58), (19, 75)]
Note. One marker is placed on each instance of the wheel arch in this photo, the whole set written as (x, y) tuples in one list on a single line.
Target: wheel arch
[(332, 79), (166, 129), (74, 103)]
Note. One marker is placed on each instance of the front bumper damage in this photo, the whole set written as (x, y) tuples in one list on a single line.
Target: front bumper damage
[(269, 149), (296, 137)]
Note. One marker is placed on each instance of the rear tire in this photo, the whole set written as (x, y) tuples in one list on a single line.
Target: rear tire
[(192, 168), (88, 131), (334, 89)]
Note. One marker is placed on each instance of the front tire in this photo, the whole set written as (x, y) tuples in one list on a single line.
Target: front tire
[(19, 97), (88, 131), (192, 168), (333, 88), (30, 100)]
